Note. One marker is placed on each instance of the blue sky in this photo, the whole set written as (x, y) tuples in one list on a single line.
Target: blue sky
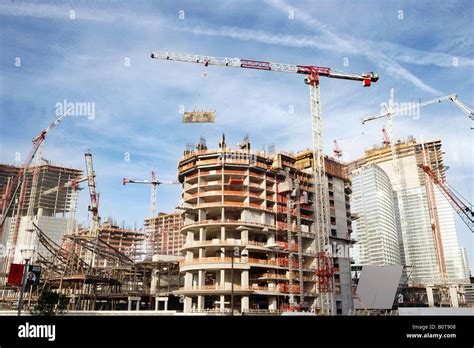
[(422, 49)]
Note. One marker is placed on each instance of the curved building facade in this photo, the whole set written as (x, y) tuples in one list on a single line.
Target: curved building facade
[(242, 237), (375, 230)]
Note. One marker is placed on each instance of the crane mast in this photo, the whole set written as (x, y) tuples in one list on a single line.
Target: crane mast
[(312, 74), (154, 182), (94, 206)]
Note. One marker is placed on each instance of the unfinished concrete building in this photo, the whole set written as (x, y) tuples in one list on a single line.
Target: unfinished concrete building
[(250, 231), (37, 202), (128, 242), (166, 237)]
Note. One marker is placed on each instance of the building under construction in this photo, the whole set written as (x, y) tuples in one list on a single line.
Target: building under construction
[(96, 268), (250, 232), (128, 242), (94, 274), (38, 201), (165, 237), (424, 217)]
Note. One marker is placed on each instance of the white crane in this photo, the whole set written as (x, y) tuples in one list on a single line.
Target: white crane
[(154, 182), (94, 206), (312, 74), (453, 97)]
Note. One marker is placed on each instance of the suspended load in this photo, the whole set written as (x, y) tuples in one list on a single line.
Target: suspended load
[(199, 117)]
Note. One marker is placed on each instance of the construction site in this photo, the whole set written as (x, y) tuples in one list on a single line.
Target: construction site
[(102, 267), (255, 232)]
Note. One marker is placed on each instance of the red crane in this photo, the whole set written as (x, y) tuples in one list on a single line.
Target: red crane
[(386, 139), (460, 206), (11, 190)]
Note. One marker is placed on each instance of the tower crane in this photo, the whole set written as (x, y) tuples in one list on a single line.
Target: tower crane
[(337, 150), (94, 206), (461, 206), (74, 185), (386, 139), (16, 191), (12, 189), (312, 75), (154, 182), (452, 97)]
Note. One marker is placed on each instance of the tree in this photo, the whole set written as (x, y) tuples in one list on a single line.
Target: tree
[(50, 303)]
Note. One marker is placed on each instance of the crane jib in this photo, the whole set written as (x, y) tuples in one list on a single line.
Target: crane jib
[(299, 69), (311, 69), (255, 64)]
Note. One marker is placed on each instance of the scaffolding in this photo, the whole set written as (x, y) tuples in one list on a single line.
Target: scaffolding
[(110, 281)]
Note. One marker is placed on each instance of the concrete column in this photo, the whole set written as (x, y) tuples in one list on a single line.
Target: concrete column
[(244, 304), (201, 278), (166, 304), (202, 253), (244, 236), (244, 279), (202, 234), (227, 280), (223, 233), (453, 294), (270, 239), (188, 280), (272, 303), (222, 302), (429, 292), (189, 255), (188, 302), (129, 304), (156, 303), (190, 237), (200, 302), (222, 279), (138, 305), (222, 253)]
